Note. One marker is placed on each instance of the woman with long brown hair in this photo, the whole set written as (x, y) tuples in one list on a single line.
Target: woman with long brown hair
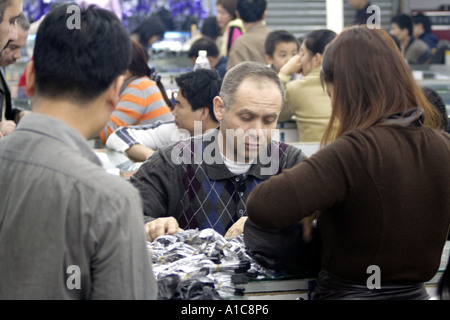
[(380, 183)]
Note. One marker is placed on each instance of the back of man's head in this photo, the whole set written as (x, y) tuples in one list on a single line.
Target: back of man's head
[(152, 26), (251, 10), (420, 18), (79, 61), (200, 87), (203, 44), (404, 22)]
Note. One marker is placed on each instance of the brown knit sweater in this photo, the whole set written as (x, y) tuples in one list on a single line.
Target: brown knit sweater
[(384, 197)]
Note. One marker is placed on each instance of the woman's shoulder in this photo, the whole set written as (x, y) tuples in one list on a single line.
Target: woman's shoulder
[(306, 83), (141, 87), (142, 83), (236, 23)]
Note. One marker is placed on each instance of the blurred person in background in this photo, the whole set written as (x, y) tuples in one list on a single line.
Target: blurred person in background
[(280, 46), (250, 46), (361, 14), (148, 32), (422, 30), (231, 26), (141, 100), (11, 115), (10, 10), (415, 51), (305, 98), (216, 60)]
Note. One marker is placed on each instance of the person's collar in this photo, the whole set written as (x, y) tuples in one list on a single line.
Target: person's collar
[(412, 117), (254, 25), (58, 130), (316, 71), (260, 169)]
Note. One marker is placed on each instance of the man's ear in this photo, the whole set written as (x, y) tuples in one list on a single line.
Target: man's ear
[(112, 95), (219, 108), (30, 76), (269, 59), (205, 113)]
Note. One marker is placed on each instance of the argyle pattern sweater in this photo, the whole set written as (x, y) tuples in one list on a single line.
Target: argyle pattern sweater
[(180, 180)]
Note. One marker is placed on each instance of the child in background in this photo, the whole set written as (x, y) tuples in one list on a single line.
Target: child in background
[(280, 46)]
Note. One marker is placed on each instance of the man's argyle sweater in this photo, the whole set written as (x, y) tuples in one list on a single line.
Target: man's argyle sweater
[(180, 180)]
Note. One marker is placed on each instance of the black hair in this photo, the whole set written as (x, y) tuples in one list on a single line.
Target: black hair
[(79, 63), (210, 28), (138, 67), (404, 22), (316, 41), (424, 20), (438, 102), (200, 87), (276, 37), (229, 6), (3, 5), (204, 43), (152, 26), (251, 10), (397, 42)]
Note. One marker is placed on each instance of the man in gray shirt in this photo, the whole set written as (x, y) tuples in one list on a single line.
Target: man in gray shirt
[(69, 230)]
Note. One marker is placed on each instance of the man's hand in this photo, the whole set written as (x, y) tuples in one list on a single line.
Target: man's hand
[(307, 224), (139, 153), (236, 229), (7, 126), (160, 227)]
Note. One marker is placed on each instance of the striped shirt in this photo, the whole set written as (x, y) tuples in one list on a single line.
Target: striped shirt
[(140, 102), (151, 136)]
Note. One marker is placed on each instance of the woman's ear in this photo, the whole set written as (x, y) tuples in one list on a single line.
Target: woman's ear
[(317, 59)]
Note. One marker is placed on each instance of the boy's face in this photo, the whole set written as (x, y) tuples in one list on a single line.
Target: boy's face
[(283, 52), (185, 117), (396, 31)]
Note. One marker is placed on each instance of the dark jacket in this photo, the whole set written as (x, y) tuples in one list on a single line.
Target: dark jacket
[(201, 194), (383, 196)]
